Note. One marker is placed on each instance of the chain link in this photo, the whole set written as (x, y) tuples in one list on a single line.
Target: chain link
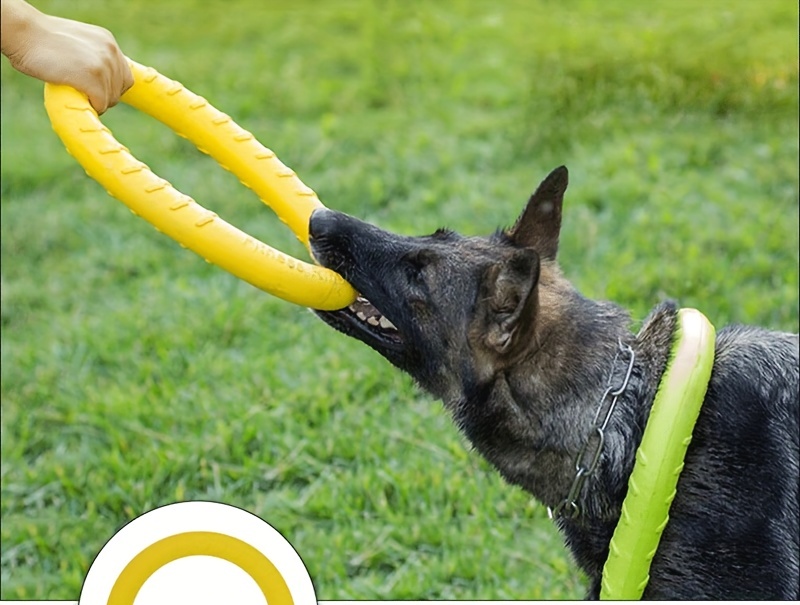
[(589, 455)]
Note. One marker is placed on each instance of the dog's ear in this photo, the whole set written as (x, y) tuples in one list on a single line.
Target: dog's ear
[(508, 300), (540, 223)]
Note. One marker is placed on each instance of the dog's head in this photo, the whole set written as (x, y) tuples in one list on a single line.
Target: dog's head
[(430, 304)]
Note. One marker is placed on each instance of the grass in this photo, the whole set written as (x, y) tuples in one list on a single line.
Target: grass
[(134, 374)]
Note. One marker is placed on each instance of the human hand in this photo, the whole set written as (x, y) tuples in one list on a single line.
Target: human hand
[(63, 51)]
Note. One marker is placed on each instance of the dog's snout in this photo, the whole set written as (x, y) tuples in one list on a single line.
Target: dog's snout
[(322, 222)]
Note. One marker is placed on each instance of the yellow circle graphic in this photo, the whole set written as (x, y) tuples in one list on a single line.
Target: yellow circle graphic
[(199, 551), (212, 544)]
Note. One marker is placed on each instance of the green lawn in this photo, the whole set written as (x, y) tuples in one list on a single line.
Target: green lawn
[(134, 374)]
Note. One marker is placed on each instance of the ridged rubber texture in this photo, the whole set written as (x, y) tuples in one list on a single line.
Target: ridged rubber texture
[(177, 214), (659, 459)]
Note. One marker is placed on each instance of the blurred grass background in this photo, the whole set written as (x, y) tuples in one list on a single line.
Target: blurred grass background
[(134, 374)]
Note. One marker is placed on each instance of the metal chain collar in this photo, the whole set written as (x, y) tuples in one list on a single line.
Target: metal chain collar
[(589, 455)]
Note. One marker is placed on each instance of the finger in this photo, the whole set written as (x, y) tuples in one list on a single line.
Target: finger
[(99, 103), (98, 96), (112, 82), (127, 75), (118, 86), (122, 77)]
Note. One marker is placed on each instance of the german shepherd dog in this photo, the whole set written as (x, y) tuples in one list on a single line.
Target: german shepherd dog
[(521, 361)]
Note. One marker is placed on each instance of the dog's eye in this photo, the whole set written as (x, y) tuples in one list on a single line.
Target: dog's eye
[(416, 273), (420, 258), (416, 262)]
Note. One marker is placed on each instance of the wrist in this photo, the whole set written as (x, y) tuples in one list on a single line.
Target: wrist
[(18, 21)]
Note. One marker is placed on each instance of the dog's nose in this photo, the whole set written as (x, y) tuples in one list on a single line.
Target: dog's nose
[(322, 222)]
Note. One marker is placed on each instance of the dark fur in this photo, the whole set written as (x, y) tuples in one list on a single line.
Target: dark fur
[(521, 359)]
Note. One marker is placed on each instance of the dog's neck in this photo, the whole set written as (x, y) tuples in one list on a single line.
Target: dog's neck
[(562, 383), (532, 419)]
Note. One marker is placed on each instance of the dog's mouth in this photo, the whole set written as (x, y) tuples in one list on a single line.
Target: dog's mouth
[(331, 234), (365, 321)]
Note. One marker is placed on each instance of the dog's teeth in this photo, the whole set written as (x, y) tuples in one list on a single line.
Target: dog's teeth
[(386, 324), (361, 315), (373, 321)]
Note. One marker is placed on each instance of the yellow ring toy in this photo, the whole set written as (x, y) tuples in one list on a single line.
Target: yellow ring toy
[(177, 214)]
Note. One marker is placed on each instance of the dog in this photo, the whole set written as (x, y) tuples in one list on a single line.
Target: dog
[(521, 359)]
